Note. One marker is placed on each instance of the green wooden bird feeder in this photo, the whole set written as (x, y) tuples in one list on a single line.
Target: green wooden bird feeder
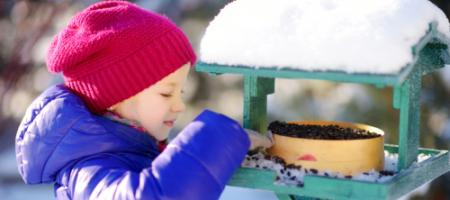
[(429, 54)]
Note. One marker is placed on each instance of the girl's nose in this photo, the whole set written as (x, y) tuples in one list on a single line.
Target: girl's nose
[(178, 105)]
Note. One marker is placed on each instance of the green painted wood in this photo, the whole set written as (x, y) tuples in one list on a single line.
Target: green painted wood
[(392, 148), (329, 188), (432, 57), (285, 197), (274, 72), (256, 90), (397, 97), (303, 198), (418, 174), (253, 178), (409, 127)]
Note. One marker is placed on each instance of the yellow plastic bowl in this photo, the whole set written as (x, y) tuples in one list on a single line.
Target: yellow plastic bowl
[(349, 157)]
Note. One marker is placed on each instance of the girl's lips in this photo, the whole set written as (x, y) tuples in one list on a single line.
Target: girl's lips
[(169, 123)]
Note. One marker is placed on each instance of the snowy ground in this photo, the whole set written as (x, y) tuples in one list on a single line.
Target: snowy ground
[(21, 191)]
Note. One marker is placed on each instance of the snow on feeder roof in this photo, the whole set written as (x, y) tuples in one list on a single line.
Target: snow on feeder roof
[(352, 36)]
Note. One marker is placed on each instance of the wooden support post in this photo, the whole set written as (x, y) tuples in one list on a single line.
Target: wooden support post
[(407, 99), (256, 90)]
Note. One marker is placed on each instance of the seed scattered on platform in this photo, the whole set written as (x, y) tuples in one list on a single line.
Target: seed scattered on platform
[(291, 174)]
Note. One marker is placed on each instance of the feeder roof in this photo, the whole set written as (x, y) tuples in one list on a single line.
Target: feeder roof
[(353, 36)]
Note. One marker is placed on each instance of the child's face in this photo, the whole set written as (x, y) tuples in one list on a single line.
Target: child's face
[(157, 107)]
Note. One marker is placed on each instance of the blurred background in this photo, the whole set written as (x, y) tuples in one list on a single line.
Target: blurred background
[(27, 27)]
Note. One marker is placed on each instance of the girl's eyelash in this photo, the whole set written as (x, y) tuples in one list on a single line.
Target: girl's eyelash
[(170, 94), (166, 95)]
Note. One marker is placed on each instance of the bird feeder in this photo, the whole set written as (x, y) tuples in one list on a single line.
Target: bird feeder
[(429, 54)]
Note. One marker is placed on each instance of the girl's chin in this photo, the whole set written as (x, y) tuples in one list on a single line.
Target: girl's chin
[(160, 137)]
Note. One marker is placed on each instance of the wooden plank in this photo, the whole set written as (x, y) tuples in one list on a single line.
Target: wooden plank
[(330, 188), (418, 174), (315, 186), (339, 76), (252, 178)]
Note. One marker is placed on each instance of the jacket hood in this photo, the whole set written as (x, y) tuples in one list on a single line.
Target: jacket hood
[(58, 130)]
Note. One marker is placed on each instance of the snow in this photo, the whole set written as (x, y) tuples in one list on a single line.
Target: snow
[(233, 193), (22, 191), (290, 175), (8, 164), (11, 185), (353, 36)]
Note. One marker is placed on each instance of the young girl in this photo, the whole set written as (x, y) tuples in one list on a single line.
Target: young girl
[(101, 135)]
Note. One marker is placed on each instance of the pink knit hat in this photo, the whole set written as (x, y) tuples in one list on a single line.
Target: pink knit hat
[(114, 49)]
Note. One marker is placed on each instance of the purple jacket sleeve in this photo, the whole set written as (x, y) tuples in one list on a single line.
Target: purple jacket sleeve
[(196, 165)]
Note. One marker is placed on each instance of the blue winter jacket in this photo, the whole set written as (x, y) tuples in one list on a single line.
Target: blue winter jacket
[(90, 157)]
